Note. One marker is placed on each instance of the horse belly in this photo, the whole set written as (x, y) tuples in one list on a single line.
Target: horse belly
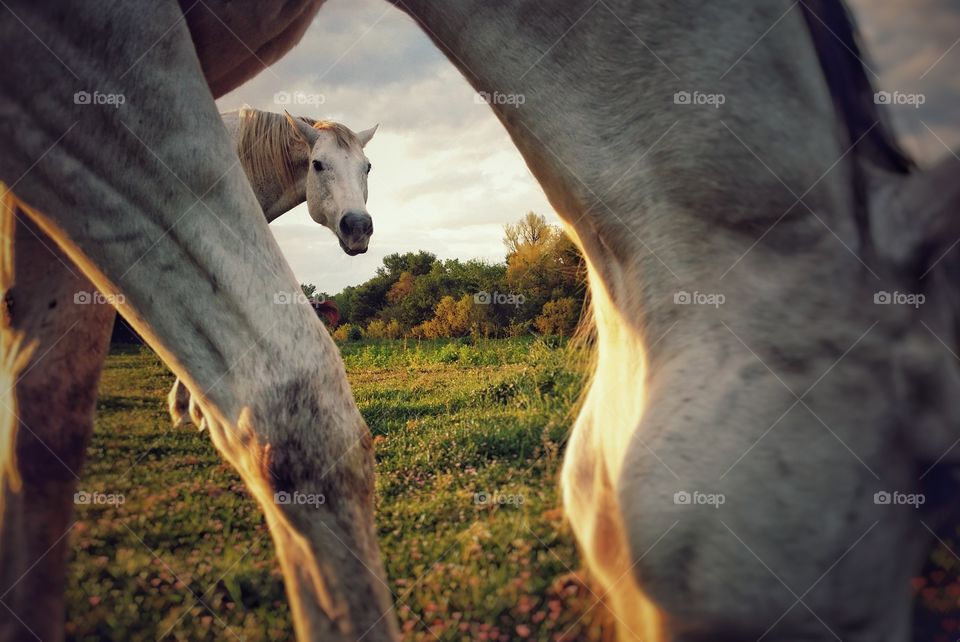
[(237, 39)]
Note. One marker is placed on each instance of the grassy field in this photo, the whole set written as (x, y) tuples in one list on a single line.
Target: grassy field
[(468, 440)]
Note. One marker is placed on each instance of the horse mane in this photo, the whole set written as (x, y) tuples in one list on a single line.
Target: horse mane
[(267, 145), (836, 39)]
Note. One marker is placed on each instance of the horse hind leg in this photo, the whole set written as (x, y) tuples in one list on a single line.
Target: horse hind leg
[(178, 403), (182, 407), (53, 352)]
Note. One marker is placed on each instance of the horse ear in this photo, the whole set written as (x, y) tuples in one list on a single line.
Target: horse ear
[(367, 134), (302, 130)]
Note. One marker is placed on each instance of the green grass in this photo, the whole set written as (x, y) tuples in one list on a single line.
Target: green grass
[(187, 556)]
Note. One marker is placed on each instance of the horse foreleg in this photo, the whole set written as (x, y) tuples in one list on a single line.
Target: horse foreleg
[(151, 202), (54, 339)]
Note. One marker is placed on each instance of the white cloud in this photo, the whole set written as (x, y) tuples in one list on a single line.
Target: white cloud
[(911, 41)]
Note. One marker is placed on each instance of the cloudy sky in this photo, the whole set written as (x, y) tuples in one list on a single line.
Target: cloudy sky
[(446, 176)]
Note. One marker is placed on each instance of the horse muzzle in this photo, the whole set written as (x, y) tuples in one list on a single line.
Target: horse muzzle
[(354, 232)]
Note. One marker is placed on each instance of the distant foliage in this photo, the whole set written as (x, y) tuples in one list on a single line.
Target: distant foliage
[(348, 332), (559, 317), (379, 329), (539, 288)]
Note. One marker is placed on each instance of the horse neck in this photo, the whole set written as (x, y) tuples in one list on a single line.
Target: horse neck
[(274, 196), (659, 198), (284, 201)]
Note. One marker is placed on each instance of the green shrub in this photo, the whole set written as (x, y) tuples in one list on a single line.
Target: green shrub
[(559, 317), (348, 332)]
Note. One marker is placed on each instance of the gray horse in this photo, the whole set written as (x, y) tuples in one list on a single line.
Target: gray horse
[(766, 404), (290, 161), (754, 453)]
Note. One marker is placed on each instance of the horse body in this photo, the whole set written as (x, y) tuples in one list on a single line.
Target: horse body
[(234, 41), (786, 399)]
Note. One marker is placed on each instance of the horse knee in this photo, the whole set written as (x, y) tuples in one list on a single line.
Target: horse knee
[(301, 436), (306, 455), (321, 440)]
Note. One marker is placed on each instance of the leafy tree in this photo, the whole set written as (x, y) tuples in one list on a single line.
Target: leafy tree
[(367, 299), (416, 263), (394, 330), (530, 231), (415, 293), (559, 317), (451, 319), (401, 289), (542, 265), (379, 329), (348, 332)]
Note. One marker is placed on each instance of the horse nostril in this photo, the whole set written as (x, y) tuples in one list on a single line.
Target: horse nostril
[(356, 223)]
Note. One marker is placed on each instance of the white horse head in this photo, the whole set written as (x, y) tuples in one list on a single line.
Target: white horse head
[(336, 180)]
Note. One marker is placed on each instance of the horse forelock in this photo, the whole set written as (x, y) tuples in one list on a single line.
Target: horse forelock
[(344, 136)]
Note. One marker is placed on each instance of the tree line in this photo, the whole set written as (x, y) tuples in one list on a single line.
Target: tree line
[(538, 288)]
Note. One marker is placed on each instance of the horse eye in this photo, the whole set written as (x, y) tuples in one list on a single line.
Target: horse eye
[(318, 166), (369, 167)]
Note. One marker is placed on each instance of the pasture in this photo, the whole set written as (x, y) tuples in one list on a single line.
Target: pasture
[(468, 440)]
